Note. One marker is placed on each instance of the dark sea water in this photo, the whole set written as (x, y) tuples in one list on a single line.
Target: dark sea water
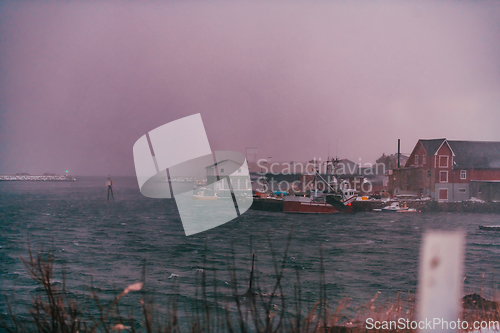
[(363, 253)]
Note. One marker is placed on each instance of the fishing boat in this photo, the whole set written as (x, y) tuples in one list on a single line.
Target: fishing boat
[(266, 200), (314, 203), (318, 203), (269, 204), (337, 199)]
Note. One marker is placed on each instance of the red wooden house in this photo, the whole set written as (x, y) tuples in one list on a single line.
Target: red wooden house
[(448, 170)]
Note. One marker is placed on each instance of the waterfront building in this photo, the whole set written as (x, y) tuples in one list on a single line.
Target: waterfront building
[(450, 170), (222, 170)]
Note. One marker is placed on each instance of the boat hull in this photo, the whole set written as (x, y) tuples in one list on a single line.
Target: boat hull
[(308, 207), (489, 227), (205, 198), (267, 204)]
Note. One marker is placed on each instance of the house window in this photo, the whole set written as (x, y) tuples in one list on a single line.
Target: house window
[(462, 190), (239, 170), (443, 194), (443, 161), (416, 159), (463, 174), (424, 159), (221, 170), (443, 176)]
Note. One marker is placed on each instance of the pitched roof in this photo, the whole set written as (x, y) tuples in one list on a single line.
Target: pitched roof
[(476, 154), (431, 146)]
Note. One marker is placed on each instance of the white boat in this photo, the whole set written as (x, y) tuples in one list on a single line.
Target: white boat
[(408, 210), (201, 196), (394, 207)]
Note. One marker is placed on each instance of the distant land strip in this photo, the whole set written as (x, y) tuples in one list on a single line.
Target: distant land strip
[(37, 178)]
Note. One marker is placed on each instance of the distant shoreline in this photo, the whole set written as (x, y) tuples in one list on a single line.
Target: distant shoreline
[(25, 177)]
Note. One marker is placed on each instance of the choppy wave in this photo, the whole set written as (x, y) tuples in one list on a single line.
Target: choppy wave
[(109, 242)]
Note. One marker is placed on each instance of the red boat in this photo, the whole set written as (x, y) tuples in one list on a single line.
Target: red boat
[(319, 203), (338, 199), (293, 204)]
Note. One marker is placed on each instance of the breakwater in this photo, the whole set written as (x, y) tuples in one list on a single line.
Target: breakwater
[(37, 178)]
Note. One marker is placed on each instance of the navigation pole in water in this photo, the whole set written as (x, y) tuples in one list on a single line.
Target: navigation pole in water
[(109, 183)]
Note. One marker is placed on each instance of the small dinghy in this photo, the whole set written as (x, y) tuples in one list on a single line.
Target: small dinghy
[(395, 207), (201, 196)]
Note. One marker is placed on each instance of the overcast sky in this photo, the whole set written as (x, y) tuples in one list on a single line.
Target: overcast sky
[(80, 83)]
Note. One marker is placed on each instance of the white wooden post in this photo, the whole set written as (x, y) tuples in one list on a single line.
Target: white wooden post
[(440, 281)]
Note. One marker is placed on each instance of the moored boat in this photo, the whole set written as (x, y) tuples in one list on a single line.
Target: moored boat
[(201, 196), (408, 210), (269, 204), (337, 199), (294, 204), (489, 227), (394, 207), (319, 203), (311, 200)]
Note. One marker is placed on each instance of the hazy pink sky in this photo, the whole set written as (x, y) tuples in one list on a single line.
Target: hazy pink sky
[(80, 83)]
